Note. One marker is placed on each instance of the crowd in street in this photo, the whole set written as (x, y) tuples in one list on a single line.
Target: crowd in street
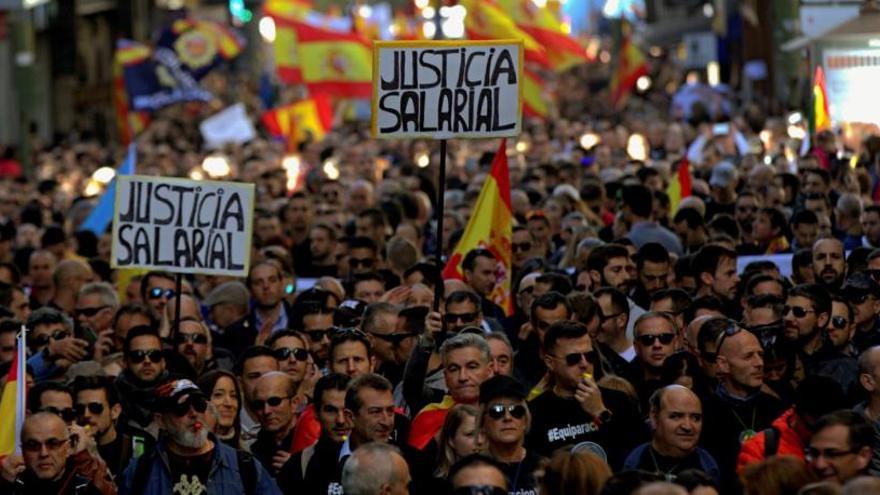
[(726, 342)]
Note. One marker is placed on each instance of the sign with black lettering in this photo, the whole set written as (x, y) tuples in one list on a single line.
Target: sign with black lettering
[(447, 89), (182, 226)]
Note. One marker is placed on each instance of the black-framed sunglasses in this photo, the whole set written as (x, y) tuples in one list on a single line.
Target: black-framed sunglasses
[(574, 358), (731, 329), (44, 339), (479, 490), (319, 334), (284, 353), (68, 414), (138, 357), (157, 292), (517, 411), (839, 322), (648, 340), (797, 311), (462, 317), (603, 318), (394, 339), (191, 338), (51, 444), (521, 246), (195, 402), (95, 408), (89, 312), (361, 262), (258, 404)]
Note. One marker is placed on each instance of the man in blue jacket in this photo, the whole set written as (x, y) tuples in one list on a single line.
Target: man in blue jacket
[(189, 460)]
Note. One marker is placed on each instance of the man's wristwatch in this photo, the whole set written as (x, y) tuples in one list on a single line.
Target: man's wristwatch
[(605, 416)]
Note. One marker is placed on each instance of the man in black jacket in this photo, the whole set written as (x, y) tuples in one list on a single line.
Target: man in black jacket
[(275, 406), (269, 314), (144, 370)]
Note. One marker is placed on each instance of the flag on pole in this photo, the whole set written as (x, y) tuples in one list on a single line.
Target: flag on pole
[(631, 65), (820, 117), (100, 217), (12, 401), (490, 227), (296, 122), (545, 25), (680, 186)]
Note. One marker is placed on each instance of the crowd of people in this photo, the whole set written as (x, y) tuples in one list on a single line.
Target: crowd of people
[(728, 345)]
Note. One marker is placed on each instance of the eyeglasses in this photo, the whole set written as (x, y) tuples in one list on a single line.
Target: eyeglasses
[(574, 358), (319, 334), (394, 339), (521, 246), (859, 299), (479, 490), (604, 318), (284, 353), (68, 414), (95, 408), (462, 317), (527, 290), (194, 338), (157, 292), (798, 311), (811, 453), (364, 262), (731, 329), (137, 357), (194, 402), (875, 274), (44, 339), (839, 322), (258, 405), (89, 312), (648, 340), (52, 444), (517, 411)]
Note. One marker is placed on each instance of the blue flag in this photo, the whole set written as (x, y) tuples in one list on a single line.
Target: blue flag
[(102, 214)]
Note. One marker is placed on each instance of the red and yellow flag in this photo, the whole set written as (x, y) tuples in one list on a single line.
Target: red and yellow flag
[(631, 65), (297, 121), (485, 20), (428, 422), (545, 25), (534, 101), (821, 117), (12, 402), (680, 186), (330, 62), (129, 122), (490, 227)]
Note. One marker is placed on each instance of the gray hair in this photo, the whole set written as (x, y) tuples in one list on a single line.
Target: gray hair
[(655, 314), (464, 340), (501, 337), (368, 468), (103, 290)]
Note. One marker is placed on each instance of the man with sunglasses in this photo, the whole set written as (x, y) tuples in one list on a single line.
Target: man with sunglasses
[(363, 255), (96, 304), (275, 405), (576, 409), (52, 343), (545, 310), (144, 363), (189, 459), (863, 292), (193, 342), (841, 327), (806, 314), (48, 465), (315, 320), (656, 339), (521, 246), (157, 289)]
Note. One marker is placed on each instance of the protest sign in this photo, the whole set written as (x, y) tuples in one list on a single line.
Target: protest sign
[(230, 125), (182, 226), (447, 89)]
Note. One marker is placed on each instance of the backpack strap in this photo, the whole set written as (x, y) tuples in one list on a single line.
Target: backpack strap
[(771, 441), (247, 469)]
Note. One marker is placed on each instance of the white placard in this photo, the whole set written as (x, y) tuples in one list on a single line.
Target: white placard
[(851, 78), (182, 226), (230, 125), (447, 89)]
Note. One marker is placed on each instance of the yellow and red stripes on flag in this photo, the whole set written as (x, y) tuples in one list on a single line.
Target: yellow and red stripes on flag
[(821, 117), (428, 422), (129, 122), (229, 45), (297, 121), (533, 94), (490, 227), (12, 401), (546, 27), (486, 20), (631, 65), (680, 185), (330, 62)]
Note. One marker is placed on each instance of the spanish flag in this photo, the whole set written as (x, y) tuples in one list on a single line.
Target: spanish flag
[(631, 65), (330, 62), (12, 402), (546, 27), (534, 98), (680, 186), (820, 116), (486, 20), (297, 122), (428, 422), (490, 227), (129, 122)]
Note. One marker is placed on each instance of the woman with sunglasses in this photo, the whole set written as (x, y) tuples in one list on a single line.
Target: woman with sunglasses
[(222, 390), (504, 420)]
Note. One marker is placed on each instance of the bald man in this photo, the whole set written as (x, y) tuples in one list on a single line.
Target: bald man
[(275, 407), (676, 422)]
